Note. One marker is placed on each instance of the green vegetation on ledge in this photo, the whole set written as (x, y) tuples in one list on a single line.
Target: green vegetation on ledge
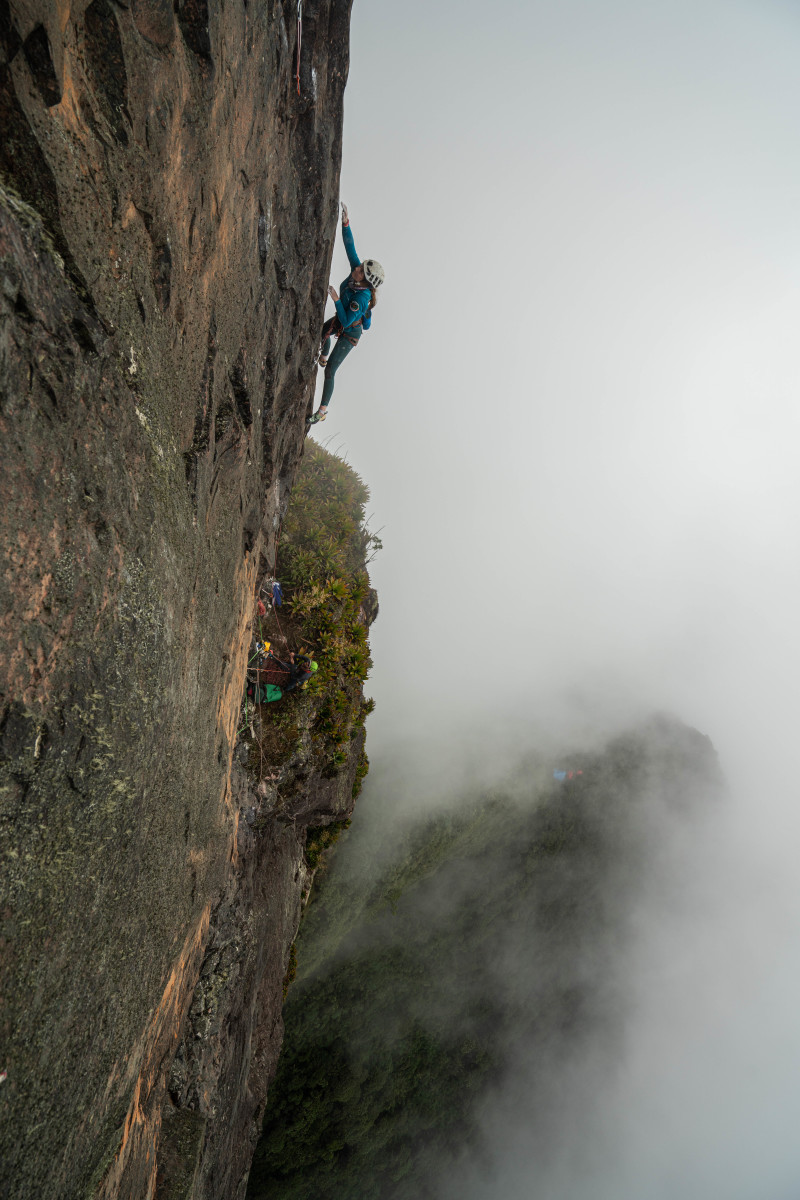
[(322, 563)]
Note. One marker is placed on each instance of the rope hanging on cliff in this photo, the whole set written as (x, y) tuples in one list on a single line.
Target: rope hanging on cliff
[(299, 39)]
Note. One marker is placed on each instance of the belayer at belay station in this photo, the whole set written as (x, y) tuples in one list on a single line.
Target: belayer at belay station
[(353, 315), (277, 678)]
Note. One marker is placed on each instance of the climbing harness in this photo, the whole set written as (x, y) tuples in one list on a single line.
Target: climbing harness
[(299, 39), (333, 328)]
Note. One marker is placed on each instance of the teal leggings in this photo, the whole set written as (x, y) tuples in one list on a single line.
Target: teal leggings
[(340, 353)]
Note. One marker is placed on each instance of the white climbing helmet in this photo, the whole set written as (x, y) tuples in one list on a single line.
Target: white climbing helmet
[(373, 272)]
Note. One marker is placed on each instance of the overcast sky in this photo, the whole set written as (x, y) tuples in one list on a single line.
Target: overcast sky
[(577, 411)]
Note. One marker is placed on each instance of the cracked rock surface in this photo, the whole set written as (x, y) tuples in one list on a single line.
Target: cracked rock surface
[(167, 213)]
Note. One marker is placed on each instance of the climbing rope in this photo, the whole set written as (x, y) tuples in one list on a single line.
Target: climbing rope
[(280, 527), (299, 39)]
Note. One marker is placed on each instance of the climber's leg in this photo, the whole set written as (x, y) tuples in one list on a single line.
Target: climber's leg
[(340, 353), (327, 333)]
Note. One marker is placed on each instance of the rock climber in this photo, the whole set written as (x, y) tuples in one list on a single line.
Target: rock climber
[(302, 668), (353, 314), (278, 678)]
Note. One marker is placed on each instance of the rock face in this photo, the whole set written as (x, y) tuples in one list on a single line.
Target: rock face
[(167, 214)]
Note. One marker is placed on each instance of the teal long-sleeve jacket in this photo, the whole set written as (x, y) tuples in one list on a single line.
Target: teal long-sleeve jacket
[(352, 307)]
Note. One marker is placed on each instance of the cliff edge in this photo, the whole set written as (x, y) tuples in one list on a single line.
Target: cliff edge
[(168, 194)]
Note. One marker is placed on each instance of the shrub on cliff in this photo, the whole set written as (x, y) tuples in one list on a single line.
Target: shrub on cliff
[(325, 534), (322, 559)]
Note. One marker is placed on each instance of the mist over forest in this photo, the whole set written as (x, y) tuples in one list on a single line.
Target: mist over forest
[(590, 499), (463, 986), (551, 951)]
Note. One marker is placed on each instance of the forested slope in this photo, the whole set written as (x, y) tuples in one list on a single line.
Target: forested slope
[(495, 933)]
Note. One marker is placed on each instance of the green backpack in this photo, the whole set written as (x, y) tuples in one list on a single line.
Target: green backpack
[(267, 692)]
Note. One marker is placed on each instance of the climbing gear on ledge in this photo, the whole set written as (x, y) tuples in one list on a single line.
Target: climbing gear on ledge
[(273, 594), (264, 693), (373, 272)]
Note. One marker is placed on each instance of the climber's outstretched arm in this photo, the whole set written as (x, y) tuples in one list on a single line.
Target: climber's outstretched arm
[(347, 238)]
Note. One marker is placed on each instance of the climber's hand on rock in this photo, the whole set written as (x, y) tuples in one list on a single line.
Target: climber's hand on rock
[(332, 292), (345, 217)]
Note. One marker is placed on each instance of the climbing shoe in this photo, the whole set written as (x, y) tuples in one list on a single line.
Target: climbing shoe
[(319, 415)]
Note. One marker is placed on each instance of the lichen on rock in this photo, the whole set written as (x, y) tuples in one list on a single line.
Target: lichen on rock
[(167, 214)]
